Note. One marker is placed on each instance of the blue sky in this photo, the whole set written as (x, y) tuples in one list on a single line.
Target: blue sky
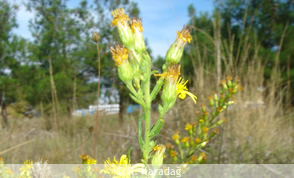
[(161, 19)]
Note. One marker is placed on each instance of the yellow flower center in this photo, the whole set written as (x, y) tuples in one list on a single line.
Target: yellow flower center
[(136, 25), (172, 73), (184, 34), (157, 148), (119, 54), (119, 16)]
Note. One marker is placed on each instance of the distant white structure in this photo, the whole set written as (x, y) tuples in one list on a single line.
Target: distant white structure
[(109, 97), (105, 108)]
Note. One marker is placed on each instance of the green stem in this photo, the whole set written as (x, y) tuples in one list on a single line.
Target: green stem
[(181, 152), (147, 110)]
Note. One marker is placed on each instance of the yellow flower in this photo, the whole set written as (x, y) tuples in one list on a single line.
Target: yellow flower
[(185, 139), (182, 90), (188, 127), (176, 136), (194, 158), (173, 153), (184, 35), (198, 140), (120, 19), (203, 155), (91, 160), (172, 74), (137, 29), (25, 169), (136, 25), (84, 157), (119, 54), (205, 129), (119, 16), (122, 168), (157, 148)]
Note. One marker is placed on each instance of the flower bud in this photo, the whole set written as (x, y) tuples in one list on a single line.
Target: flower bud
[(120, 57), (136, 26), (96, 37), (169, 92), (211, 101), (157, 159), (175, 52), (202, 157), (176, 138), (120, 19)]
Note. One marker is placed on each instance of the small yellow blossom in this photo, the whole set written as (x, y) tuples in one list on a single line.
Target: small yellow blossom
[(194, 158), (119, 16), (91, 160), (111, 167), (119, 54), (205, 129), (219, 109), (84, 157), (157, 148), (176, 136), (197, 140), (203, 155), (173, 153), (188, 127), (185, 139), (184, 34), (182, 90), (172, 73), (25, 169)]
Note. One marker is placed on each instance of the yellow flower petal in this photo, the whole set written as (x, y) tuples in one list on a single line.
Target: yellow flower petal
[(182, 90)]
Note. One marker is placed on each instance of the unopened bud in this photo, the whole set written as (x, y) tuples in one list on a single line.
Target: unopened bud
[(175, 52), (95, 37)]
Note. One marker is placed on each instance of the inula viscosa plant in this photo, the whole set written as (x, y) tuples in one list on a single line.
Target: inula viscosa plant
[(189, 148), (134, 69)]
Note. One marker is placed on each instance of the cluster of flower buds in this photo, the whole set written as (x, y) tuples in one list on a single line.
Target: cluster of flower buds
[(174, 85), (130, 57), (200, 132)]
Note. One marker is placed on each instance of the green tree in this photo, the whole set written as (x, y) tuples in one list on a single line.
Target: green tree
[(267, 19), (11, 52)]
